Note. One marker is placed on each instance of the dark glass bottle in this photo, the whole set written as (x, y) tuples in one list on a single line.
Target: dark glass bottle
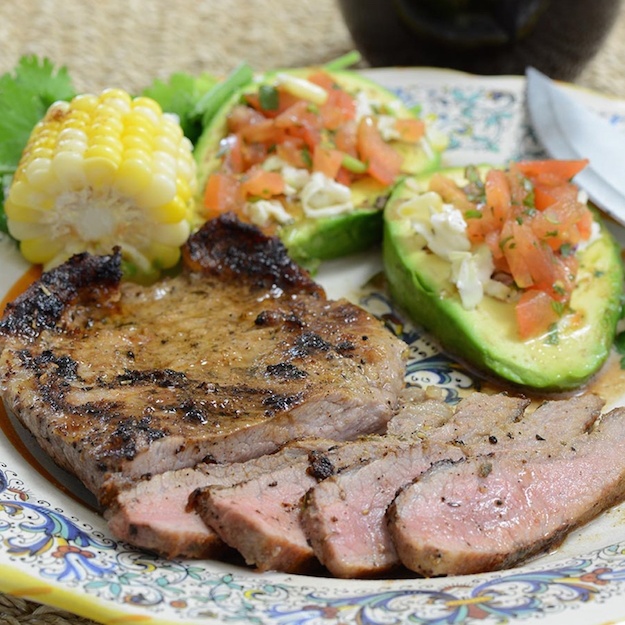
[(557, 37)]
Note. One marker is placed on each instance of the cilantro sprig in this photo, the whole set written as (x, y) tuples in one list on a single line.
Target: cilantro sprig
[(180, 94), (25, 95)]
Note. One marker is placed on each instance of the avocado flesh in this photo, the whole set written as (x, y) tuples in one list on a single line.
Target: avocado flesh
[(310, 240), (486, 338)]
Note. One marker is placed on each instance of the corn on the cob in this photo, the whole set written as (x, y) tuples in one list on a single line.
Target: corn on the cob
[(100, 171)]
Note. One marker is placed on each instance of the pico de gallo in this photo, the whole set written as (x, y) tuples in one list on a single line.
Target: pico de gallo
[(313, 145), (530, 219)]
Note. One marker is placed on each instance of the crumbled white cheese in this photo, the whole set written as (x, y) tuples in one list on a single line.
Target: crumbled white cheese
[(295, 179), (324, 197), (365, 107), (387, 127), (274, 163), (262, 212), (443, 230), (470, 272)]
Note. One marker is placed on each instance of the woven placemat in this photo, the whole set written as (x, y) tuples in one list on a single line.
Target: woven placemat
[(127, 43)]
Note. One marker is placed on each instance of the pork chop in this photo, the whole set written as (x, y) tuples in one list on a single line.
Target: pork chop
[(229, 360)]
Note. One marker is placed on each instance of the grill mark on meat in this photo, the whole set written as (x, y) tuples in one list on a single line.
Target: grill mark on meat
[(320, 466), (286, 370), (261, 260), (121, 379), (42, 306)]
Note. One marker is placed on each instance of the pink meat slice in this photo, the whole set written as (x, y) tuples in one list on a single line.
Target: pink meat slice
[(345, 515), (260, 517), (491, 511), (156, 514)]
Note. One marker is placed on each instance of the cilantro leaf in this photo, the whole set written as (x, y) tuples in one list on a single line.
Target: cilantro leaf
[(25, 95), (180, 95)]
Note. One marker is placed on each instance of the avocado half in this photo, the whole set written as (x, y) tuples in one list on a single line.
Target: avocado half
[(310, 240), (486, 337)]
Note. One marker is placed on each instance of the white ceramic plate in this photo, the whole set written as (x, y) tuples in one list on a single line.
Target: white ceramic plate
[(56, 550)]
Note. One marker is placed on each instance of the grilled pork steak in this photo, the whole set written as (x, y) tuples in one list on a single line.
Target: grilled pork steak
[(230, 360), (345, 515), (157, 514), (491, 510)]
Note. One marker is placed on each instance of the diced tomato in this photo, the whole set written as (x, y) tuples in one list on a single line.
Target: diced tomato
[(323, 79), (242, 116), (384, 163), (327, 161), (345, 177), (339, 108), (299, 121), (450, 192), (262, 132), (254, 154), (520, 186), (515, 257), (561, 169), (537, 256), (498, 199), (345, 139), (233, 160), (221, 194), (410, 130), (294, 152), (258, 182), (584, 225), (535, 313)]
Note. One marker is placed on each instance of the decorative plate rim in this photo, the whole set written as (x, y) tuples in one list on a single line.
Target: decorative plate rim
[(56, 551)]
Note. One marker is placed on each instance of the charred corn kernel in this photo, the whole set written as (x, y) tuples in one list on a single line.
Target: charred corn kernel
[(103, 171)]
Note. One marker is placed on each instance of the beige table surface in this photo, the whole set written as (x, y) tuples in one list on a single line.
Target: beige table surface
[(127, 43)]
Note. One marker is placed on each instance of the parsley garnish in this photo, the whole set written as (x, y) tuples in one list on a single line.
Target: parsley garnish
[(25, 96)]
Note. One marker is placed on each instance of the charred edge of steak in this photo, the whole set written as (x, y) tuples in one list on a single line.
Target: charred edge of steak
[(320, 466), (40, 307), (229, 247)]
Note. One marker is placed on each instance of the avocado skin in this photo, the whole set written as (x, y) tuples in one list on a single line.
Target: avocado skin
[(311, 240), (485, 339)]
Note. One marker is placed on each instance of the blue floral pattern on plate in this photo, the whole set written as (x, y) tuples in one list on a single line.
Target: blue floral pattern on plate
[(52, 540)]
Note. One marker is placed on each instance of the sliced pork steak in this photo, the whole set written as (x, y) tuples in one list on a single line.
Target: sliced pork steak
[(491, 511), (260, 517), (155, 513), (344, 516), (230, 360)]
